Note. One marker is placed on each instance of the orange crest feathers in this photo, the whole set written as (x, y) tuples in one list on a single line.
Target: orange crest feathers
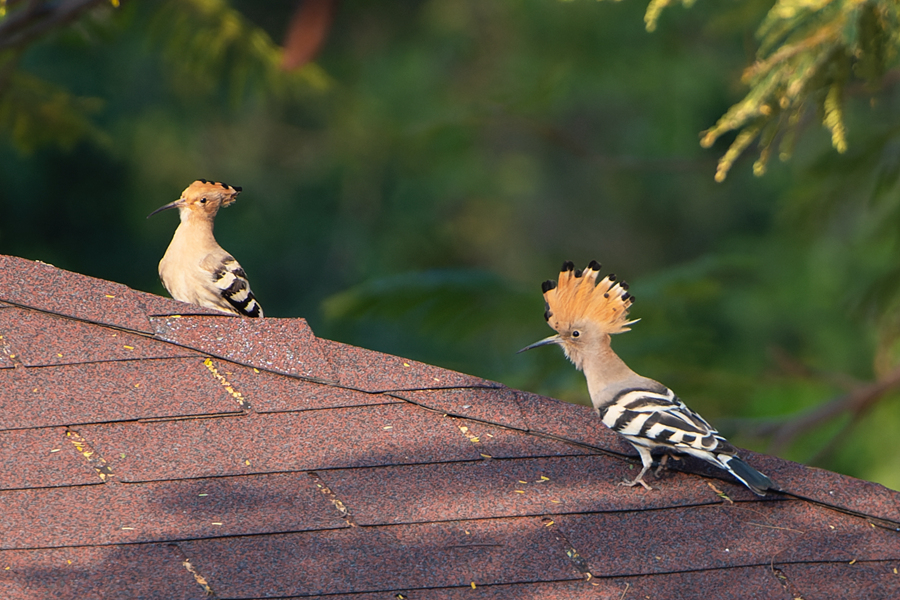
[(579, 297), (227, 193)]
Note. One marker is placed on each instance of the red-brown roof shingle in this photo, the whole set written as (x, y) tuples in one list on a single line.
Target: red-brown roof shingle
[(151, 449)]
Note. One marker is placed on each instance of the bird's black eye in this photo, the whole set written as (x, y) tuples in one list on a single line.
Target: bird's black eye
[(576, 333), (202, 200)]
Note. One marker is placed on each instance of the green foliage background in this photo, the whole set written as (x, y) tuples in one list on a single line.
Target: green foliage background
[(410, 190)]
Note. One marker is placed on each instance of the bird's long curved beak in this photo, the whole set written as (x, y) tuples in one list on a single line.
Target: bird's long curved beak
[(553, 339), (174, 204)]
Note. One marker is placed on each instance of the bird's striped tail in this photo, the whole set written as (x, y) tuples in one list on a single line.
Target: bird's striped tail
[(753, 479)]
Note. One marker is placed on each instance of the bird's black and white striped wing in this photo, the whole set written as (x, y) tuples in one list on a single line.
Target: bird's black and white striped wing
[(231, 281), (651, 420), (654, 419)]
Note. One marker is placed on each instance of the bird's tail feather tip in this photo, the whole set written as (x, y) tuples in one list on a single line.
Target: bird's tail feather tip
[(753, 479)]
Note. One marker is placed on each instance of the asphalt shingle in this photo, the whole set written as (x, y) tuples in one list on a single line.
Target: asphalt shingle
[(570, 422), (152, 449), (271, 392), (285, 346), (369, 371), (37, 285), (496, 488), (110, 391), (143, 572), (382, 558), (164, 511), (842, 580), (47, 340), (37, 458), (493, 405), (327, 439)]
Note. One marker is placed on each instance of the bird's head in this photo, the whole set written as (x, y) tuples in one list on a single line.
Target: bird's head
[(583, 311), (202, 199)]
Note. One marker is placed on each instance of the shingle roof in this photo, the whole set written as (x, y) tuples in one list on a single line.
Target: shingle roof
[(153, 449)]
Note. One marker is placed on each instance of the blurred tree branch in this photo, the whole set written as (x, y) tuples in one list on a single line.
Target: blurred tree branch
[(210, 48), (27, 20), (34, 111), (856, 402)]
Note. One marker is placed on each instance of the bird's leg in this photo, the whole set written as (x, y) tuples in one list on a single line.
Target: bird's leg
[(661, 465), (663, 461), (647, 461)]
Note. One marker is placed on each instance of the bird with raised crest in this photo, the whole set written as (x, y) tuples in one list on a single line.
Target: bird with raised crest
[(585, 312), (195, 268)]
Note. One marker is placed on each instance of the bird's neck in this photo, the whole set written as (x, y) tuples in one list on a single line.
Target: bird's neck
[(194, 231), (603, 370)]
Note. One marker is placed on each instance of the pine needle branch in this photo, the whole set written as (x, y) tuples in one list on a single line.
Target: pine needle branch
[(809, 53)]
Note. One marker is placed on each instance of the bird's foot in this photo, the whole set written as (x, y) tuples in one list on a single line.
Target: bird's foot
[(637, 480)]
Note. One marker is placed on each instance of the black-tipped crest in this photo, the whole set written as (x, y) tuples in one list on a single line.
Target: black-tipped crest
[(581, 296), (224, 185), (205, 189)]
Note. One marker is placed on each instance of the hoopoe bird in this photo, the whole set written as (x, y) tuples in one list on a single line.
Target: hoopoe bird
[(195, 268), (585, 313)]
